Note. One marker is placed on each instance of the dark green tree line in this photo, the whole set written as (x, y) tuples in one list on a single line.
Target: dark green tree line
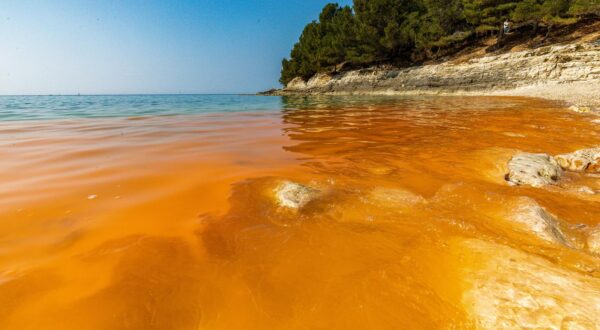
[(399, 31)]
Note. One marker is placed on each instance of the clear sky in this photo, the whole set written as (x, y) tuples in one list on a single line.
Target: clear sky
[(147, 46)]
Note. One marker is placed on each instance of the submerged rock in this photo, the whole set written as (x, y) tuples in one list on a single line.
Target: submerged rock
[(580, 108), (516, 135), (294, 195), (510, 289), (581, 160), (593, 240), (530, 217), (394, 197), (533, 169), (381, 170), (586, 190)]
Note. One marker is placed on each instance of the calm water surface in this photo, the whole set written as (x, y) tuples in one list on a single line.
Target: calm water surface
[(157, 212), (93, 106)]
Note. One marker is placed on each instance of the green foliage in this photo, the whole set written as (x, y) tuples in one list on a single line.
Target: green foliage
[(408, 30), (487, 15), (555, 12), (556, 8), (583, 7), (455, 38), (388, 26), (528, 11), (447, 15), (323, 44)]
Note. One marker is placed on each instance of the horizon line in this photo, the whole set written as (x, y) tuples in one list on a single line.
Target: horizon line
[(127, 94)]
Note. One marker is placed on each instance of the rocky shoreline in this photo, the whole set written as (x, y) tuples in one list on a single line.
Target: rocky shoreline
[(566, 72), (529, 218)]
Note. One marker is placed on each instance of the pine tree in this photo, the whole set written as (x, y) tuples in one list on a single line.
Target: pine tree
[(487, 15), (403, 31), (528, 12), (584, 7), (555, 13), (556, 8), (337, 35), (446, 14), (387, 26), (323, 44)]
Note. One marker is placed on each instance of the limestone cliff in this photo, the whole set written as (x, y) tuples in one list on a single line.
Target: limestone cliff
[(553, 64), (551, 67)]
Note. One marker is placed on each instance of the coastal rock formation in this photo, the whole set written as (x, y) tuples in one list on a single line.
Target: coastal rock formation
[(551, 65), (294, 195), (581, 160), (533, 169)]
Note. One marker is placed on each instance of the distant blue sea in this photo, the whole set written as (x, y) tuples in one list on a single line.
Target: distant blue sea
[(89, 106), (14, 108)]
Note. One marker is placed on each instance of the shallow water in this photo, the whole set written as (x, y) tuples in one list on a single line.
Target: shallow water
[(137, 220)]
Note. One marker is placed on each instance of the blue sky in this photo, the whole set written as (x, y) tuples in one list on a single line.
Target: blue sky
[(135, 46)]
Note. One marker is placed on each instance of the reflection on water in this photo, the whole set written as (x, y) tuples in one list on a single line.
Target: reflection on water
[(366, 102), (415, 228)]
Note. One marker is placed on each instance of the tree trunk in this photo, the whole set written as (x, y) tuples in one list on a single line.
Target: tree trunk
[(500, 40), (548, 32)]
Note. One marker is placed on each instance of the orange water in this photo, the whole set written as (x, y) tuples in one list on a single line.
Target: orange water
[(170, 223)]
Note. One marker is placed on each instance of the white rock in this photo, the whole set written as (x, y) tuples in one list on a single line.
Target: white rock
[(586, 190), (581, 160), (294, 195), (580, 109), (533, 169), (296, 83)]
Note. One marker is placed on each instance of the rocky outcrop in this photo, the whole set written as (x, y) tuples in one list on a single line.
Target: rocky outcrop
[(581, 160), (550, 65), (542, 169), (533, 169)]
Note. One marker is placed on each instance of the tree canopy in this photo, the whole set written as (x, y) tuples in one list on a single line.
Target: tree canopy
[(400, 31)]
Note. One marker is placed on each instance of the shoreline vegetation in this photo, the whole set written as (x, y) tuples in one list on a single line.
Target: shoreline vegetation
[(456, 47)]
